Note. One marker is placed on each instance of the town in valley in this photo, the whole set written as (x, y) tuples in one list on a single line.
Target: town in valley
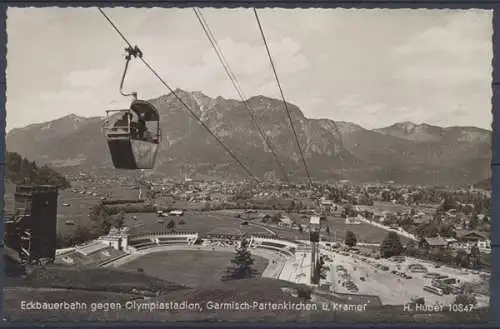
[(143, 184)]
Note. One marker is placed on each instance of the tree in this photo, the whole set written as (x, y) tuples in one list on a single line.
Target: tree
[(275, 218), (102, 219), (411, 248), (97, 212), (119, 220), (461, 258), (406, 223), (46, 175), (350, 239), (348, 211), (82, 234), (391, 246), (448, 204), (21, 170), (465, 300), (474, 222), (304, 293), (386, 195), (171, 225), (445, 256), (62, 241), (242, 263), (429, 229), (447, 230), (206, 207), (475, 256)]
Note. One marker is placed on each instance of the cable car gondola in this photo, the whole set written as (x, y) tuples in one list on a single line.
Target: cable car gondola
[(133, 135)]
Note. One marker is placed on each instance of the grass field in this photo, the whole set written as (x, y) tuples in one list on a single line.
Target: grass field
[(78, 203), (190, 268), (106, 279), (77, 211), (365, 232), (198, 222)]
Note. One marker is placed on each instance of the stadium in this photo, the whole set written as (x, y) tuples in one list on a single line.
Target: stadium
[(184, 258)]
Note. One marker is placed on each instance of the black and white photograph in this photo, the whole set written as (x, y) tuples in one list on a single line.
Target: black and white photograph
[(248, 165)]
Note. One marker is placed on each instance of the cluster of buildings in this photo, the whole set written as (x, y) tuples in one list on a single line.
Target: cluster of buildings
[(419, 227), (229, 192), (463, 240)]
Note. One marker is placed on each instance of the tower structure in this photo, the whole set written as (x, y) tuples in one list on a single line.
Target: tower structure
[(33, 232), (314, 237)]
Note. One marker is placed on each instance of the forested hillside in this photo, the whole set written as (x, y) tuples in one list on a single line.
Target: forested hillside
[(21, 170)]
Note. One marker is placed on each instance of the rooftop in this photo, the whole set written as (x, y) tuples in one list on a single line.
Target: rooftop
[(437, 241), (35, 189)]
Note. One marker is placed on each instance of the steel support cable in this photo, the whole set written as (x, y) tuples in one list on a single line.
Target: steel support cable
[(232, 77), (166, 85), (283, 97)]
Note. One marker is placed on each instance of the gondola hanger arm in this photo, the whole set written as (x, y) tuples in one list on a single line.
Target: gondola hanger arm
[(131, 52)]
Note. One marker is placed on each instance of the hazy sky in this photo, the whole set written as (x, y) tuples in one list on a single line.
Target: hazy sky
[(371, 67)]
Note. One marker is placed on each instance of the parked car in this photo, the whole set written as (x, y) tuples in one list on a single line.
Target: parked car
[(434, 290)]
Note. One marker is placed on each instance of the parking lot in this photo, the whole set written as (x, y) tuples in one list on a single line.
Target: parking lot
[(394, 282)]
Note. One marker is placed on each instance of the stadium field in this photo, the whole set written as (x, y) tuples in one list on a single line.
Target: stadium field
[(190, 268)]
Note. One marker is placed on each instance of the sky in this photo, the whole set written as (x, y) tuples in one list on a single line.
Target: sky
[(371, 67)]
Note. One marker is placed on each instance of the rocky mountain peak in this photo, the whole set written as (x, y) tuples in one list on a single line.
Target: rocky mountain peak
[(403, 152)]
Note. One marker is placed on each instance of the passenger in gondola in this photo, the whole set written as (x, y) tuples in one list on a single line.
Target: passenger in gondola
[(141, 127), (143, 132)]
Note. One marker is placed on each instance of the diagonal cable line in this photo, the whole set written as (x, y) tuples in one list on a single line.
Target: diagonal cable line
[(234, 81), (166, 85), (283, 97)]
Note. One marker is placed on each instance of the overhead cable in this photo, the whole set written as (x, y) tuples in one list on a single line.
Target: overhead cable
[(166, 85)]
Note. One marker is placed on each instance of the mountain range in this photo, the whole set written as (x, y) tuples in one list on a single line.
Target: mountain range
[(403, 152)]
